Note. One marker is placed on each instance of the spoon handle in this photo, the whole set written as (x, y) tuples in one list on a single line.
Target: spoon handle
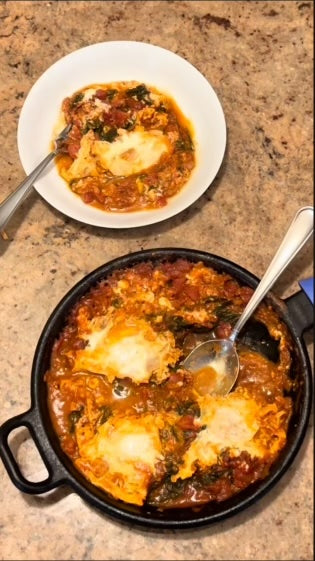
[(298, 233), (13, 201)]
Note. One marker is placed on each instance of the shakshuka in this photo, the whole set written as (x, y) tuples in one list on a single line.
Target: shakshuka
[(130, 147), (138, 425)]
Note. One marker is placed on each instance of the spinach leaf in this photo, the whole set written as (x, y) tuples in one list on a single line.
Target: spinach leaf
[(111, 94), (130, 124), (189, 408), (117, 302), (225, 313), (141, 93), (108, 135), (95, 126), (161, 108), (184, 145), (74, 417), (76, 100), (106, 412), (105, 133)]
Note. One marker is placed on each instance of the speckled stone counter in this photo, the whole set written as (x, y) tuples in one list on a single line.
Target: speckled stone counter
[(258, 58)]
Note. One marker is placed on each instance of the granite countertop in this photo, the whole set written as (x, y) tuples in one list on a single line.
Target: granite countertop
[(258, 58)]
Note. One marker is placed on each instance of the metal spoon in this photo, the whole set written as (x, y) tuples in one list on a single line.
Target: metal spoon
[(13, 201), (215, 363)]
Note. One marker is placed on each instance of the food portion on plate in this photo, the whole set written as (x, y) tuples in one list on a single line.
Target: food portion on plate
[(138, 425), (130, 147)]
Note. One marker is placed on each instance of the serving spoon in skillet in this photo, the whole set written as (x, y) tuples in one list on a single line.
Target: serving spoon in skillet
[(216, 360), (13, 201)]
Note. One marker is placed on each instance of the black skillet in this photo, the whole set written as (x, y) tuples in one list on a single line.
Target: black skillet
[(296, 312)]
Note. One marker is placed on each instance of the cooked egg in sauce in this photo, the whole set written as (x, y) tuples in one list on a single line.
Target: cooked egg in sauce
[(125, 451), (123, 347)]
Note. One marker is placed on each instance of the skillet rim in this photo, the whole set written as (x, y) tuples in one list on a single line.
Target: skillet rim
[(144, 516)]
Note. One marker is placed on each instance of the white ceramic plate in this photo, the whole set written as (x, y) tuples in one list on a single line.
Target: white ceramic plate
[(118, 61)]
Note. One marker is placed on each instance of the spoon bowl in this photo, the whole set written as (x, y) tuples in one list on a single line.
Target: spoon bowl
[(215, 363)]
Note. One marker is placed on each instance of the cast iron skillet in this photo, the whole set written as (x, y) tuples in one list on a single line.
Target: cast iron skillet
[(295, 311)]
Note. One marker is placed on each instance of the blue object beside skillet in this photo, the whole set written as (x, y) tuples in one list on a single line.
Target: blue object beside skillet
[(308, 286)]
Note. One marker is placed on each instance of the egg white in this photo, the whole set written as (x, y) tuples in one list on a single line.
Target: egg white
[(120, 347), (122, 456), (131, 152)]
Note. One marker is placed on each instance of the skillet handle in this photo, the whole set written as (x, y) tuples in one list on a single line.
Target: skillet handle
[(300, 306), (56, 472)]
